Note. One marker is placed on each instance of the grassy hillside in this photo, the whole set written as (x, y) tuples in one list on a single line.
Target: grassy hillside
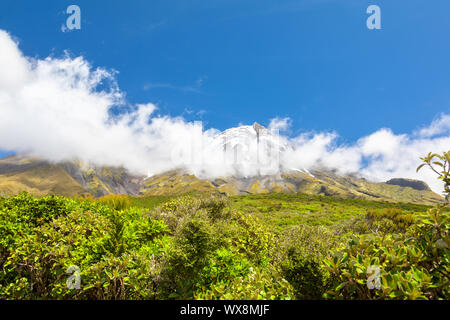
[(284, 210), (322, 183), (174, 183), (41, 180), (71, 178), (280, 210)]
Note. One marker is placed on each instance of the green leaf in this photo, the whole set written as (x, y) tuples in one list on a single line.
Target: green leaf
[(420, 167)]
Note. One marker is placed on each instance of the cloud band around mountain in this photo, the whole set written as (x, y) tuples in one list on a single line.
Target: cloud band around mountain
[(60, 109)]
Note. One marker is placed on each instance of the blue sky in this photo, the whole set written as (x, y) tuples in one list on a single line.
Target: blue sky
[(238, 61)]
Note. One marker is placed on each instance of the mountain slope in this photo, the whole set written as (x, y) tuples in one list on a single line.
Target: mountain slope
[(36, 177), (19, 173), (73, 179), (254, 152), (315, 183)]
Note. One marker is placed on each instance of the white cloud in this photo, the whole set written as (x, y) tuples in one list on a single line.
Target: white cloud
[(438, 127), (280, 124), (55, 109), (379, 156)]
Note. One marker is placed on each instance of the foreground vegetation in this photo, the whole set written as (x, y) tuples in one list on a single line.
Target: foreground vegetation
[(208, 247)]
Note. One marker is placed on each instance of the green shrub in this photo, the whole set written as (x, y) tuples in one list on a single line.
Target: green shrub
[(411, 255), (211, 243), (224, 266), (389, 220), (414, 265), (111, 248), (43, 256), (193, 242), (258, 284), (115, 201), (304, 250)]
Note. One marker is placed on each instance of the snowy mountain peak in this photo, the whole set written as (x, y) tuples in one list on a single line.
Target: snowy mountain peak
[(258, 128), (256, 134), (251, 150)]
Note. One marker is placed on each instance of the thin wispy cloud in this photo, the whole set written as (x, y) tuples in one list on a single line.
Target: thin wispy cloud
[(280, 124), (154, 25), (196, 87), (440, 126), (157, 85)]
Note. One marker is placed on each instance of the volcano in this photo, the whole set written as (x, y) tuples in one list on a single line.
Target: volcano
[(254, 154)]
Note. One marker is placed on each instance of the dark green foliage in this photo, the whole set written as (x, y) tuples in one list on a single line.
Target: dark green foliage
[(39, 244), (259, 284), (182, 249), (304, 251), (186, 258), (413, 265), (225, 266), (212, 245)]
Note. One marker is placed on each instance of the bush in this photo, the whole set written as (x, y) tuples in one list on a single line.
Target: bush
[(389, 220), (301, 263), (111, 249), (186, 257), (211, 245), (409, 255), (412, 265), (224, 266), (258, 284), (115, 201)]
